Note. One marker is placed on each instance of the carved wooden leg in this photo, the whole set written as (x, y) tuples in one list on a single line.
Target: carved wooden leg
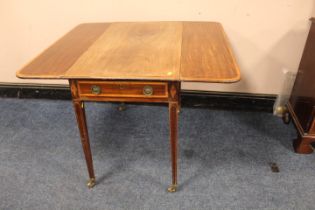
[(302, 145), (80, 114), (173, 117)]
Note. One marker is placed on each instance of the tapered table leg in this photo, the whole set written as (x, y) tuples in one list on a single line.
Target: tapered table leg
[(179, 98), (80, 115), (173, 118)]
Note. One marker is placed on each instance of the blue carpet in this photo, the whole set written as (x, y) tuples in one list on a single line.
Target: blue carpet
[(224, 159)]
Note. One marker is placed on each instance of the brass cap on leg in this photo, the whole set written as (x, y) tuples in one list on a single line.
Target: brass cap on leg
[(172, 188), (91, 183)]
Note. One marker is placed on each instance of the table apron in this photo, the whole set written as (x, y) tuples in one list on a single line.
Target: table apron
[(124, 91), (123, 99)]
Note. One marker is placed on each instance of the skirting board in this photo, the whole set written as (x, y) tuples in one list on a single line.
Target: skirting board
[(190, 98)]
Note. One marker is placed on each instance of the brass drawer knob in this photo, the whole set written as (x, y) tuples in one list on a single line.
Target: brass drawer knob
[(95, 89), (147, 90)]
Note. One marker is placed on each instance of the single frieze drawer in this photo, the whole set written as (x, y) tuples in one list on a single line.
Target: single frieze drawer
[(123, 89)]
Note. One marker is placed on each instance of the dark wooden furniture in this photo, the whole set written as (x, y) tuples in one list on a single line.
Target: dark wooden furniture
[(136, 62), (302, 101)]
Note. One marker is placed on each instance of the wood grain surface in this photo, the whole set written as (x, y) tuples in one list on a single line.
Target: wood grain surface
[(55, 61), (206, 54), (167, 51), (133, 51)]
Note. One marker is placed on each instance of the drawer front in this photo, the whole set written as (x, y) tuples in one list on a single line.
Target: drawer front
[(123, 89)]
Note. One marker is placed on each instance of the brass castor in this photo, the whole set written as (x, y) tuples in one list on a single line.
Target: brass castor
[(122, 107), (286, 117), (172, 188), (91, 183)]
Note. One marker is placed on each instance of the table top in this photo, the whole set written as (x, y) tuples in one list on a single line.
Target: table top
[(172, 51)]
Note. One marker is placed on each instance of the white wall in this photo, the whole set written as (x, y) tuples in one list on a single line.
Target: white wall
[(265, 35)]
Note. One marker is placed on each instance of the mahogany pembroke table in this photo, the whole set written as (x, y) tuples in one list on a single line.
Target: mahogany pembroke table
[(135, 62)]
